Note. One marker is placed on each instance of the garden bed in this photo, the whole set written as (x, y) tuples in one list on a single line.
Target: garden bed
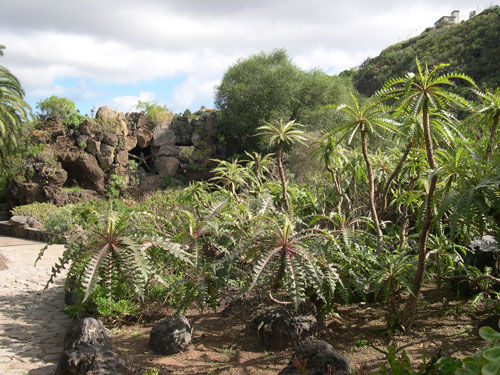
[(222, 343)]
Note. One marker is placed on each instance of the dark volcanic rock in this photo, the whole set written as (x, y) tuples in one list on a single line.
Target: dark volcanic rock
[(281, 329), (171, 335), (316, 358)]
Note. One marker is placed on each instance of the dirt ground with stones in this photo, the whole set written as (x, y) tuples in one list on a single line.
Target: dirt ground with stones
[(32, 323), (32, 327), (224, 345)]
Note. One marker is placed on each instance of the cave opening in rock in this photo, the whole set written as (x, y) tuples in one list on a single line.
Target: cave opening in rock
[(143, 157)]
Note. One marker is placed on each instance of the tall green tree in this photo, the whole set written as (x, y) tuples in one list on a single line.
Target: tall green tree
[(268, 87), (279, 134), (263, 87), (364, 119), (422, 92)]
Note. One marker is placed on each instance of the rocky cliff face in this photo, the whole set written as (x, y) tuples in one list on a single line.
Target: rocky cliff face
[(120, 151)]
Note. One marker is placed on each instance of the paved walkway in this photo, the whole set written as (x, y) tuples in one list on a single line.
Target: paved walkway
[(32, 324)]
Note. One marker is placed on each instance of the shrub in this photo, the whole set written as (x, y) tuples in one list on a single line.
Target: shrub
[(36, 210)]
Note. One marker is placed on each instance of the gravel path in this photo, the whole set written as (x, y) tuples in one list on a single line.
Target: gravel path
[(32, 324)]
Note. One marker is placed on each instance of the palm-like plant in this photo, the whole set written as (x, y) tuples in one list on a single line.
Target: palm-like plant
[(113, 248), (423, 92), (197, 237), (443, 128), (331, 154), (491, 110), (232, 174), (14, 111), (279, 134), (285, 258), (366, 118), (258, 165)]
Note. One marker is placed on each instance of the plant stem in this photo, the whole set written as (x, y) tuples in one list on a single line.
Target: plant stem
[(373, 209)]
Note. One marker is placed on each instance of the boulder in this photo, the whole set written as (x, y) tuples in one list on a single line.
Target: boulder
[(74, 196), (93, 146), (58, 175), (171, 335), (84, 169), (86, 350), (105, 156), (283, 328), (112, 121), (163, 135), (82, 141), (122, 158), (19, 220), (87, 330), (89, 127), (64, 142), (183, 130), (139, 120), (90, 359), (144, 137), (110, 139), (316, 358), (484, 254), (34, 224), (39, 181), (168, 150), (167, 166), (130, 142), (196, 139)]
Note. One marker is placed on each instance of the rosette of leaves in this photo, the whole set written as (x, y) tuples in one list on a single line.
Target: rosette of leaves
[(286, 258), (113, 250)]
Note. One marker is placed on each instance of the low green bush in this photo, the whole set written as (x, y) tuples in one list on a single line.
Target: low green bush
[(36, 210)]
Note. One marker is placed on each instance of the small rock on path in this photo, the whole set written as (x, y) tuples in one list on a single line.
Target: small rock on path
[(32, 324)]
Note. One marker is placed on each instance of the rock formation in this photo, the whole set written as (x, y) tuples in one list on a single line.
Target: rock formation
[(127, 150)]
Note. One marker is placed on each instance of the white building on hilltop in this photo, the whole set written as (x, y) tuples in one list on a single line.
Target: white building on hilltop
[(448, 20)]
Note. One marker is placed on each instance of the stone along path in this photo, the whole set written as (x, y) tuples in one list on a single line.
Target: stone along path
[(32, 323)]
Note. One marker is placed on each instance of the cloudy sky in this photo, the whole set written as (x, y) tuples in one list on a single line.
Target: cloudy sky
[(115, 52)]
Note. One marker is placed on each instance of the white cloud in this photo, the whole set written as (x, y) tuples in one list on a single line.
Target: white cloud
[(128, 103), (194, 92), (125, 41)]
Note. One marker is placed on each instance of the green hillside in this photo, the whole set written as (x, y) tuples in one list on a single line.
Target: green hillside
[(471, 47)]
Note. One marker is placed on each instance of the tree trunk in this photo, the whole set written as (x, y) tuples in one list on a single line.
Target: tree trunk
[(257, 170), (396, 172), (371, 182), (493, 132), (281, 170), (411, 306), (404, 215), (338, 188)]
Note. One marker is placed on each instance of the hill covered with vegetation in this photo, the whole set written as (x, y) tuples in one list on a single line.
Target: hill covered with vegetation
[(471, 47)]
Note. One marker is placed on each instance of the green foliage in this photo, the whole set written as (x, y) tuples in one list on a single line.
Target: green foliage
[(287, 258), (112, 251), (15, 114), (63, 108), (36, 210), (484, 362), (471, 47), (280, 134), (115, 185), (156, 112), (268, 87)]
